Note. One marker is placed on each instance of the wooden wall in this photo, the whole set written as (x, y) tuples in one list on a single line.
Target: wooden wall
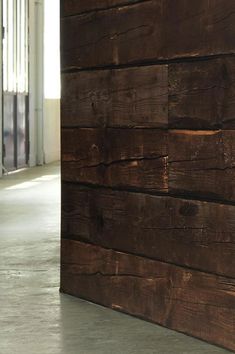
[(148, 160)]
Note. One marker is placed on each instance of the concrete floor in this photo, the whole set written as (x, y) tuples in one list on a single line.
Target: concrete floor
[(34, 317)]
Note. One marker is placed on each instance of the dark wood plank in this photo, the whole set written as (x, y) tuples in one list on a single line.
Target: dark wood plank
[(199, 28), (115, 36), (195, 234), (192, 302), (201, 94), (148, 31), (134, 97), (134, 158), (202, 163), (74, 7)]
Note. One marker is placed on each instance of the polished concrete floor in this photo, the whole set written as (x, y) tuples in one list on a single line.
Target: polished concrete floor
[(34, 317)]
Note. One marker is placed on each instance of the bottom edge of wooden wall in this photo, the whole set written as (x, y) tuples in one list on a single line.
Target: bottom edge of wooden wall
[(198, 304)]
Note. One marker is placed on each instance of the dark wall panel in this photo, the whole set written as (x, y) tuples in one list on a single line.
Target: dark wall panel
[(147, 31), (171, 296), (190, 233), (148, 160), (201, 94), (134, 97), (133, 158), (201, 163), (75, 7)]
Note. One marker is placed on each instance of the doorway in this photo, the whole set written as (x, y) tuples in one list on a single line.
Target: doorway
[(15, 111)]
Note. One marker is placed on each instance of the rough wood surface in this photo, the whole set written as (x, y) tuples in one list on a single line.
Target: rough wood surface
[(115, 36), (134, 97), (74, 7), (201, 94), (192, 302), (195, 234), (148, 31), (202, 163), (148, 113), (116, 157), (199, 28), (181, 162)]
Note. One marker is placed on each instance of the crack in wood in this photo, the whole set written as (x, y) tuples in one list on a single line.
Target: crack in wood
[(193, 160), (101, 9), (116, 275), (223, 18), (129, 160)]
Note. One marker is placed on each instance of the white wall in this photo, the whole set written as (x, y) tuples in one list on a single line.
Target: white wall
[(36, 77), (51, 121), (51, 130)]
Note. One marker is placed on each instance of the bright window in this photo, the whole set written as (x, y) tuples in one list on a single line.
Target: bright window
[(15, 46)]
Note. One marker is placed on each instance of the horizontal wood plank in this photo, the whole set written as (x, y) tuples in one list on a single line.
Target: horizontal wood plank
[(130, 158), (134, 97), (188, 162), (193, 95), (111, 37), (74, 7), (148, 31), (192, 302), (194, 234), (202, 163), (201, 94)]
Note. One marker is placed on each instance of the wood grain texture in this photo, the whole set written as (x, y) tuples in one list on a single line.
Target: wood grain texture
[(110, 37), (134, 97), (199, 28), (193, 95), (74, 7), (195, 234), (128, 158), (148, 115), (192, 302), (185, 162), (126, 35), (202, 163), (201, 94)]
